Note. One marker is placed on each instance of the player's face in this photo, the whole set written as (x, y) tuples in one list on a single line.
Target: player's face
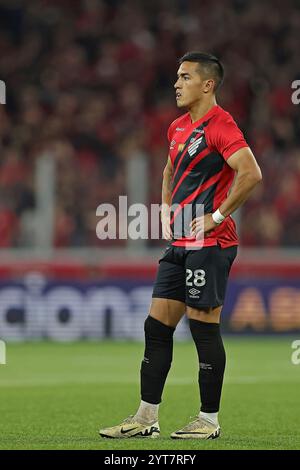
[(189, 85)]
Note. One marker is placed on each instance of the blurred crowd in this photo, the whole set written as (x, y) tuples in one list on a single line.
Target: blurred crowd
[(91, 82)]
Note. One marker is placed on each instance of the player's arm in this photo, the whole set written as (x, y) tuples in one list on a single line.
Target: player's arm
[(166, 199), (248, 175)]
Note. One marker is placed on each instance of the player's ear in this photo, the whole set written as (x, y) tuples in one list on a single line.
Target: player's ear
[(208, 85)]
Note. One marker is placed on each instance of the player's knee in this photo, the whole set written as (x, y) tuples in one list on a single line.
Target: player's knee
[(159, 345), (163, 318), (205, 314), (156, 329), (167, 311)]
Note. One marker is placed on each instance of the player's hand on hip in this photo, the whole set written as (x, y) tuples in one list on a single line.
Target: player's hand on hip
[(201, 226)]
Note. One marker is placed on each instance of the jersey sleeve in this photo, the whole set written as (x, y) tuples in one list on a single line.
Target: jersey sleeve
[(228, 138), (170, 131)]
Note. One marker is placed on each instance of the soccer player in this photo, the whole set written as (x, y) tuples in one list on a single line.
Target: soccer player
[(207, 150)]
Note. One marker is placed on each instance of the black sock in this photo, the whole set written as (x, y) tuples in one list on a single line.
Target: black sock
[(157, 359), (212, 361)]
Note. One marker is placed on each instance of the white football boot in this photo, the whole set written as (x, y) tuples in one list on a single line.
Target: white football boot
[(197, 429), (130, 427)]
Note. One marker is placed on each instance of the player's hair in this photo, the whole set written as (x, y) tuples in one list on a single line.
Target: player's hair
[(210, 66)]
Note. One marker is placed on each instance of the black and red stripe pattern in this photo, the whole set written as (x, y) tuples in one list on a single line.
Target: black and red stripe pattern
[(196, 173), (199, 152)]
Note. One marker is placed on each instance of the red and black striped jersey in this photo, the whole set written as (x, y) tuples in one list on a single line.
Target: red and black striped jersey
[(201, 175)]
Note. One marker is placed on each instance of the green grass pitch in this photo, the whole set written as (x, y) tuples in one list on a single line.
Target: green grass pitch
[(56, 396)]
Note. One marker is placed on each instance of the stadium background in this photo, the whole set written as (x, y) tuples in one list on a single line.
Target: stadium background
[(89, 98)]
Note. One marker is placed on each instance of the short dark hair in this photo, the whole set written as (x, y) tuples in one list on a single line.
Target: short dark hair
[(210, 65)]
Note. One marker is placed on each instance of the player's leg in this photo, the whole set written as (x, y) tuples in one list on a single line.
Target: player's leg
[(160, 325), (165, 312), (208, 274)]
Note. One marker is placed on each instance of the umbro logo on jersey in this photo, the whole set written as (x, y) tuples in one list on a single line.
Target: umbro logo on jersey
[(180, 129), (194, 291), (192, 149), (172, 144)]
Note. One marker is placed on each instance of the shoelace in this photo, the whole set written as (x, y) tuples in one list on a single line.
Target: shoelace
[(196, 422), (128, 420)]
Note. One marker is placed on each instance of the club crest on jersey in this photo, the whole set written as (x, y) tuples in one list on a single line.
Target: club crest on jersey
[(193, 147)]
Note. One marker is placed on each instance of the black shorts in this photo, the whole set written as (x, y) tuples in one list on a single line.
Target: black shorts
[(196, 277)]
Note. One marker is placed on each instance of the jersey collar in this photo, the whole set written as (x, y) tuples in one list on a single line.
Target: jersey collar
[(206, 116)]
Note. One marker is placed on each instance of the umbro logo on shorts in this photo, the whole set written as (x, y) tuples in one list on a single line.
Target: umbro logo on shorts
[(194, 292)]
